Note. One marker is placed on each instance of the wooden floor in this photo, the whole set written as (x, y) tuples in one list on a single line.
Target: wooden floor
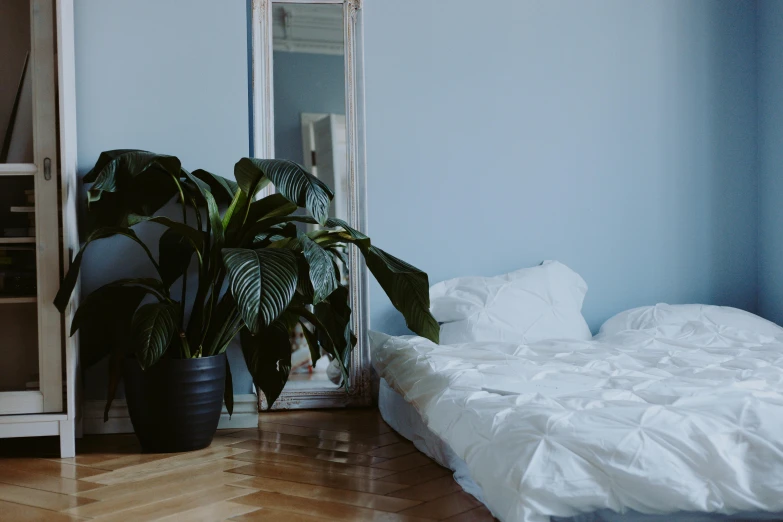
[(298, 466)]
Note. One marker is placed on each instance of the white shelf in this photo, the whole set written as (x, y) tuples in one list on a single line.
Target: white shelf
[(18, 169), (21, 402), (17, 300), (32, 417), (16, 240)]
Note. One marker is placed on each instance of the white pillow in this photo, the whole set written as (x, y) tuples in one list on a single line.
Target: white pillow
[(664, 314), (529, 305)]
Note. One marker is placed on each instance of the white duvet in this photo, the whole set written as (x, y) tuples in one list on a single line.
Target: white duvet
[(668, 409)]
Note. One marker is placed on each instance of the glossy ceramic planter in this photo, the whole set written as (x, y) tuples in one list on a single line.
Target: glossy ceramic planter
[(175, 405)]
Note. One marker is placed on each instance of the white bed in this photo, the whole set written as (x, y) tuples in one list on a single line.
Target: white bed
[(668, 410)]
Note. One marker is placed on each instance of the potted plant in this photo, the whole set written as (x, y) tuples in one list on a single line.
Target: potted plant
[(258, 276)]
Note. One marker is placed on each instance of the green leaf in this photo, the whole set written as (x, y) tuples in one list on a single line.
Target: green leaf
[(228, 394), (275, 205), (69, 282), (340, 257), (130, 181), (114, 165), (234, 217), (268, 358), (355, 237), (153, 326), (304, 287), (264, 226), (213, 213), (290, 180), (262, 282), (105, 158), (175, 252), (335, 317), (112, 294), (245, 213), (406, 285), (104, 319), (322, 274), (312, 342), (199, 315), (193, 236), (222, 189), (249, 177), (147, 192), (288, 243), (407, 288), (224, 321), (326, 340), (274, 234)]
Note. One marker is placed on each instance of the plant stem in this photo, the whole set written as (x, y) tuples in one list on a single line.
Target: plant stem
[(231, 338), (217, 285), (184, 343), (185, 275)]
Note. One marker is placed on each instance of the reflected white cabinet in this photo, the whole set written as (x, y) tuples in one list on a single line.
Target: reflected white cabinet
[(37, 219)]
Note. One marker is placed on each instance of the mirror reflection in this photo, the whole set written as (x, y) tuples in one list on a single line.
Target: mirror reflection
[(309, 108)]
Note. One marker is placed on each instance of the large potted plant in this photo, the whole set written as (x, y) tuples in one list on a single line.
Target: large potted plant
[(258, 276)]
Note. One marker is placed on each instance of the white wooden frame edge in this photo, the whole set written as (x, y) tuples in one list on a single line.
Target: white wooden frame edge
[(69, 188), (63, 424), (263, 146)]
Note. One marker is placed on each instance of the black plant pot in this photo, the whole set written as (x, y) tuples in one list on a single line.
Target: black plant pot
[(175, 405)]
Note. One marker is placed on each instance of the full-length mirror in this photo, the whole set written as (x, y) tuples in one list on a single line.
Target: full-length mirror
[(310, 49), (309, 107)]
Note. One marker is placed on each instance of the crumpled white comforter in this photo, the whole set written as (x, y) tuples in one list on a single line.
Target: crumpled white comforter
[(667, 409)]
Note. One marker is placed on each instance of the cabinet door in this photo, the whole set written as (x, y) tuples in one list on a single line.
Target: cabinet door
[(30, 326), (330, 154)]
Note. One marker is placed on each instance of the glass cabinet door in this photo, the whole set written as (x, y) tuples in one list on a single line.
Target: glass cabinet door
[(16, 89), (30, 326)]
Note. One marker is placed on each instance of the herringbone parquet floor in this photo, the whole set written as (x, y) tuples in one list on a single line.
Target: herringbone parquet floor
[(297, 466)]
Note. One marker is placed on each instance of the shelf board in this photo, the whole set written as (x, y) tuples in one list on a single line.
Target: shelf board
[(16, 240), (18, 169), (18, 300), (31, 417)]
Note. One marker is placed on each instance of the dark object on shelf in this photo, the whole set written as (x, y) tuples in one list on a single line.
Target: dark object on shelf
[(15, 232), (175, 404), (17, 283), (12, 122)]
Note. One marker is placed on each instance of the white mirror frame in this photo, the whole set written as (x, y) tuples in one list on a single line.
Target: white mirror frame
[(263, 147)]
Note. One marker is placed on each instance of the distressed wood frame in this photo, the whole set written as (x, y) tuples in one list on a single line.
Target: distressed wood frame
[(262, 112)]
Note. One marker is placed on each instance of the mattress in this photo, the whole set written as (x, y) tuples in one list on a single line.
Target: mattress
[(405, 420), (672, 420)]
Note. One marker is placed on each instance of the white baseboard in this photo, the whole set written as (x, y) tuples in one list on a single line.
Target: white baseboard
[(245, 416)]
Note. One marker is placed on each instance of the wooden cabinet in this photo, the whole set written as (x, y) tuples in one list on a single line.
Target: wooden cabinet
[(35, 371)]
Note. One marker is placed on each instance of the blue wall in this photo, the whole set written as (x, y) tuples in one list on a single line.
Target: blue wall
[(618, 137), (770, 129), (170, 77), (304, 82)]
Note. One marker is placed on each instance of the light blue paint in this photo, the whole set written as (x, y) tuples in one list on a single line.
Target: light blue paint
[(304, 82), (617, 137), (170, 77), (770, 158)]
